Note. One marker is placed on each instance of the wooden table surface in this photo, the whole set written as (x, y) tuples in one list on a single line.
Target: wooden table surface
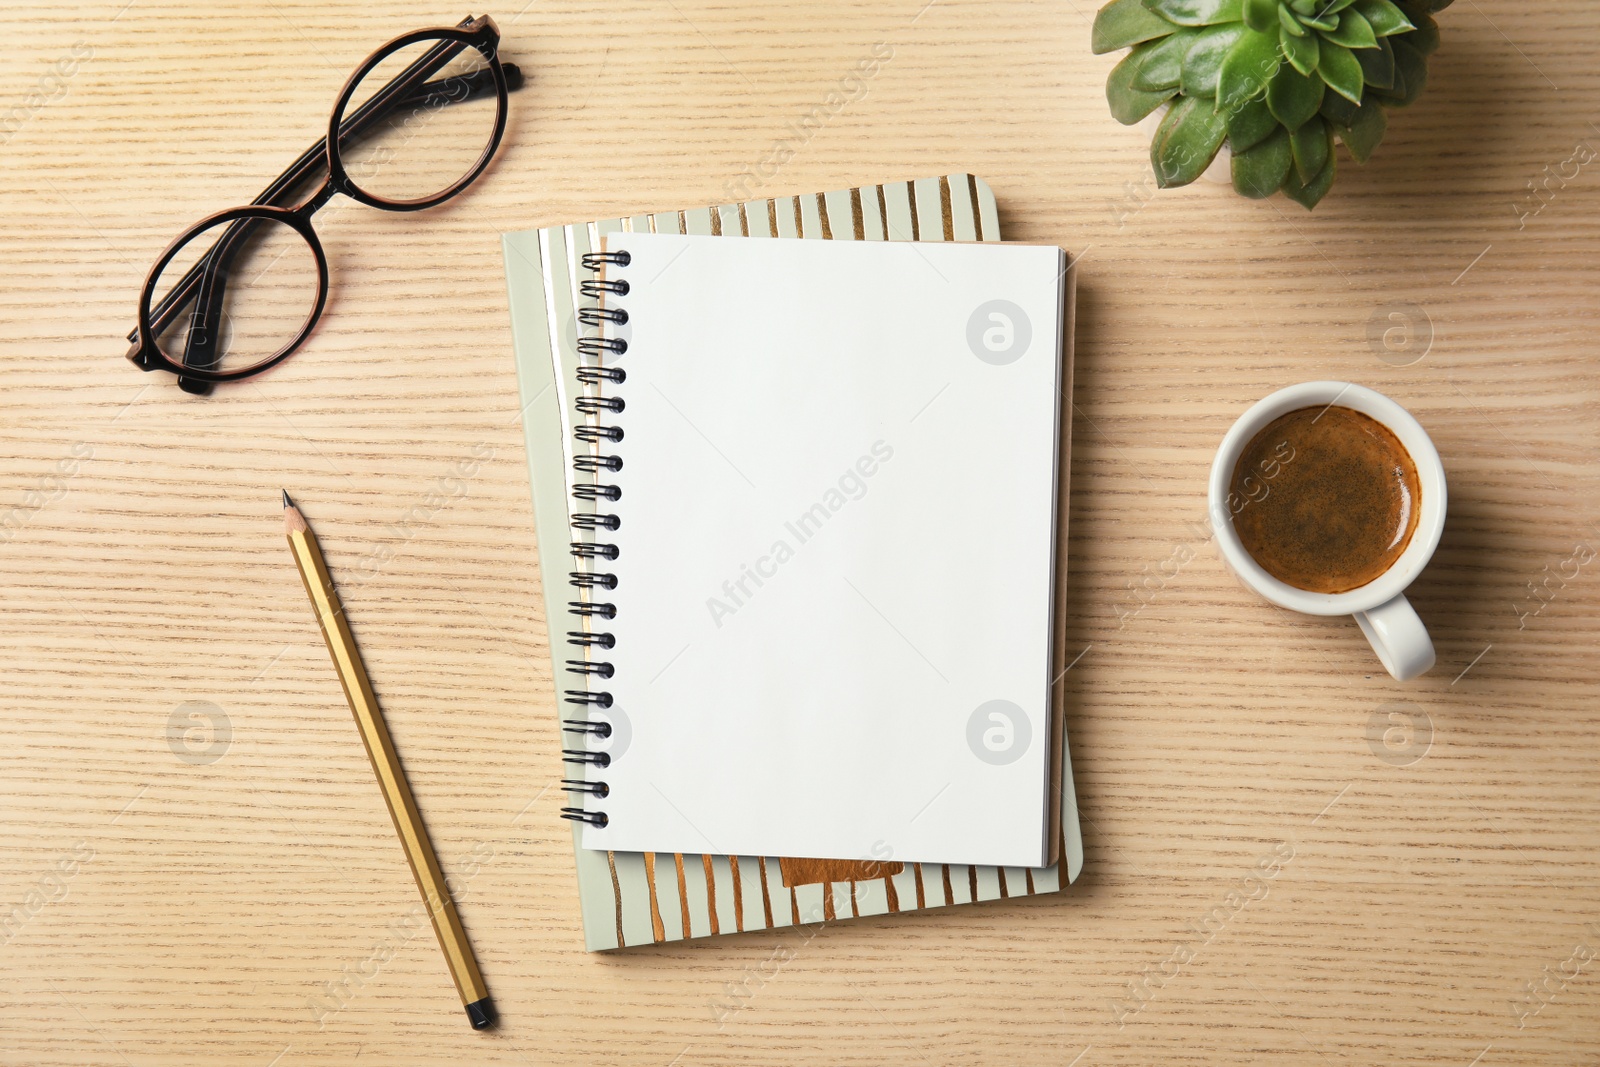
[(195, 862)]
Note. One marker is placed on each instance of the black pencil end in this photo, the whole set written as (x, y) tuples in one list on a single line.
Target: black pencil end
[(482, 1014), (286, 501)]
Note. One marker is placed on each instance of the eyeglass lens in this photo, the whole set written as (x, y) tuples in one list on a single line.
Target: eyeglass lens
[(434, 138), (262, 285)]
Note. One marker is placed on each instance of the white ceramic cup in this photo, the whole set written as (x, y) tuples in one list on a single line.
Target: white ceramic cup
[(1380, 606)]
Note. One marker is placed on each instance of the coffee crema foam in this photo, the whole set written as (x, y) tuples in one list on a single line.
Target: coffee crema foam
[(1336, 515)]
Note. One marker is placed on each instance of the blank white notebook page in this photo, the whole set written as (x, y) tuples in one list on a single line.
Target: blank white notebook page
[(836, 549)]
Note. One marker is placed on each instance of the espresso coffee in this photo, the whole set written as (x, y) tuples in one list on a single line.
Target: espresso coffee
[(1325, 499)]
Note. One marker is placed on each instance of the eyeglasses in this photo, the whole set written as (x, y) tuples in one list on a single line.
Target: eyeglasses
[(240, 290)]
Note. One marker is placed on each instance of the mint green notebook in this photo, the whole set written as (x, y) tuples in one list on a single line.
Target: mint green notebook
[(644, 898)]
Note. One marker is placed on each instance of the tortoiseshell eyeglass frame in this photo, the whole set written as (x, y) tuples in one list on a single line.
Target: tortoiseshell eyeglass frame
[(203, 286)]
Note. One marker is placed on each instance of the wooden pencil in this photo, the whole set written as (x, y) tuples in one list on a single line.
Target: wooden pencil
[(386, 765)]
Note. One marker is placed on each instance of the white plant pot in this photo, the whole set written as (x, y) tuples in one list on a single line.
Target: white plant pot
[(1221, 169)]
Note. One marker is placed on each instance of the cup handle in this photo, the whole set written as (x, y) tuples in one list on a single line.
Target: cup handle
[(1398, 637)]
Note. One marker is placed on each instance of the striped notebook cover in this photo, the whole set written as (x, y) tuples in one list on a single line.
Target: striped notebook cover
[(646, 898)]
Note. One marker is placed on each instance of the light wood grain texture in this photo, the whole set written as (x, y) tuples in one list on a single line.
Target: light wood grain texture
[(234, 893)]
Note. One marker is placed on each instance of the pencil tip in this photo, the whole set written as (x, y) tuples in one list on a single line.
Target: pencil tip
[(286, 501)]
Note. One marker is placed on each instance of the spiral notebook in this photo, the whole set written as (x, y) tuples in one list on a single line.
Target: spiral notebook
[(805, 480)]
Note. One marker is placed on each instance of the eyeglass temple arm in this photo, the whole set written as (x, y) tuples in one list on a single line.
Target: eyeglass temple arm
[(202, 340), (402, 91)]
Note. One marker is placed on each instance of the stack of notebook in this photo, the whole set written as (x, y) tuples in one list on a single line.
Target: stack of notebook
[(801, 518)]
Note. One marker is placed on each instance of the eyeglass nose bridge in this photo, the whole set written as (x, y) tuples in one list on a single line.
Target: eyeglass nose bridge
[(316, 201)]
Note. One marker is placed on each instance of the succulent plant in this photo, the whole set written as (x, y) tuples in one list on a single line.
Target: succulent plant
[(1277, 80)]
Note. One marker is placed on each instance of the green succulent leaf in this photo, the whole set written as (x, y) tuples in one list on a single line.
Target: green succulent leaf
[(1377, 65), (1203, 62), (1312, 144), (1322, 21), (1341, 70), (1293, 97), (1339, 111), (1395, 95), (1310, 194), (1363, 134), (1261, 15), (1259, 171), (1290, 24), (1337, 6), (1196, 12), (1250, 123), (1163, 63), (1246, 69), (1354, 31), (1410, 74), (1425, 38), (1122, 23), (1385, 18), (1186, 142), (1305, 7), (1129, 105), (1303, 53)]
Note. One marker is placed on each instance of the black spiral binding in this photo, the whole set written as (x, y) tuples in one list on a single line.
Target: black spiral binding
[(591, 554)]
